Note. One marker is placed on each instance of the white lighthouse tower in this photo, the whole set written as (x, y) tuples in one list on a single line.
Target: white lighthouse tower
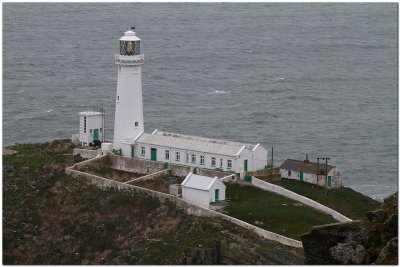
[(129, 105)]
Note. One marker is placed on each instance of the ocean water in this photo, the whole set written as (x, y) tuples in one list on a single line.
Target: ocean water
[(316, 79)]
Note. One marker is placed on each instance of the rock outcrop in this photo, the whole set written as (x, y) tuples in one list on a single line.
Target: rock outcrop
[(373, 240)]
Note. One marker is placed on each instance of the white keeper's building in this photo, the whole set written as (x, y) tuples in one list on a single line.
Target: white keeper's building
[(130, 140)]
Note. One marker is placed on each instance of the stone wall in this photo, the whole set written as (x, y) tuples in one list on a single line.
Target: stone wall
[(292, 195), (86, 153), (189, 208), (135, 165)]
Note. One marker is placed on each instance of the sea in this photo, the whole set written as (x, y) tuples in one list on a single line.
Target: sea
[(316, 79)]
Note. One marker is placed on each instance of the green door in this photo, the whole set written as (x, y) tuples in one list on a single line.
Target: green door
[(329, 181), (166, 166), (245, 165), (153, 154), (95, 134), (216, 194), (301, 176)]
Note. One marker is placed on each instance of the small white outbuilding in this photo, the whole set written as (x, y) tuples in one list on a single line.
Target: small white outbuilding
[(91, 127), (202, 190)]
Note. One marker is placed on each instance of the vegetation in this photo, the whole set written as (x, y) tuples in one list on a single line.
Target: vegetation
[(344, 200), (51, 218), (272, 212)]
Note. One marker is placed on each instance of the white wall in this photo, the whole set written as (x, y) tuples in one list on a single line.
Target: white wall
[(172, 156), (129, 106), (217, 185), (260, 158), (199, 197), (336, 181), (92, 122)]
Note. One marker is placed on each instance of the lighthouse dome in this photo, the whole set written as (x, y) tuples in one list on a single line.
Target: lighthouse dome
[(129, 44)]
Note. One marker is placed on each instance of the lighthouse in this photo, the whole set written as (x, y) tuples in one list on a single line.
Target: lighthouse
[(128, 102)]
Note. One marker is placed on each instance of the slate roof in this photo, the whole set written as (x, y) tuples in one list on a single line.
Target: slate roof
[(198, 181), (194, 143), (305, 167)]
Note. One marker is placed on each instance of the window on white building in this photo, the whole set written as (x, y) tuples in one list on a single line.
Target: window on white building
[(136, 124), (187, 157), (212, 162), (229, 165), (143, 151), (177, 156), (101, 130), (193, 158), (201, 160), (118, 98), (289, 173), (84, 124), (220, 163), (166, 154)]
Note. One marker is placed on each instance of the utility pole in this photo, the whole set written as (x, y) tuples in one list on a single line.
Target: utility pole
[(326, 173), (272, 162)]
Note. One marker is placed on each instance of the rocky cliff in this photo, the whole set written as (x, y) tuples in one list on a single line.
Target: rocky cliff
[(372, 240)]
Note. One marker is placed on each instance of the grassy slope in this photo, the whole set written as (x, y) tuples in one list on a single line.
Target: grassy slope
[(278, 214), (344, 200), (51, 218)]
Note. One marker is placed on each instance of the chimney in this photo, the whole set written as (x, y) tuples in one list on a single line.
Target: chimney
[(306, 160)]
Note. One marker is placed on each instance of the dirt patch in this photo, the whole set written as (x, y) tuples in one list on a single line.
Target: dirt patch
[(161, 184), (112, 174)]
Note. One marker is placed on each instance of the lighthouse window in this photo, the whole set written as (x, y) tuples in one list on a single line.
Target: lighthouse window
[(117, 97), (129, 48), (166, 154), (143, 151), (136, 124), (212, 162), (101, 130), (90, 131)]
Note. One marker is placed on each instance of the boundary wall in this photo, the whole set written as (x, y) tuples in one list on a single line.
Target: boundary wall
[(292, 195), (189, 208), (86, 153)]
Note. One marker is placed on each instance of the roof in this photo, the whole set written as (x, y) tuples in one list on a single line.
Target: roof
[(305, 166), (90, 113), (194, 143), (198, 181)]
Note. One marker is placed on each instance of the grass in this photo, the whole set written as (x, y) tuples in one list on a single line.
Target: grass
[(272, 212), (344, 200)]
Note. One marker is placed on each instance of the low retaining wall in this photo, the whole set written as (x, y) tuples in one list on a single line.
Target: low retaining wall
[(189, 208), (292, 195), (152, 176), (135, 165), (229, 178), (86, 153)]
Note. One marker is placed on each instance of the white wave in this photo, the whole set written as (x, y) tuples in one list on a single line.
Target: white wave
[(50, 110), (281, 79), (220, 92)]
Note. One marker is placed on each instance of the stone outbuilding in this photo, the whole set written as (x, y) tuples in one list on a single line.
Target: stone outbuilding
[(202, 190), (310, 172)]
